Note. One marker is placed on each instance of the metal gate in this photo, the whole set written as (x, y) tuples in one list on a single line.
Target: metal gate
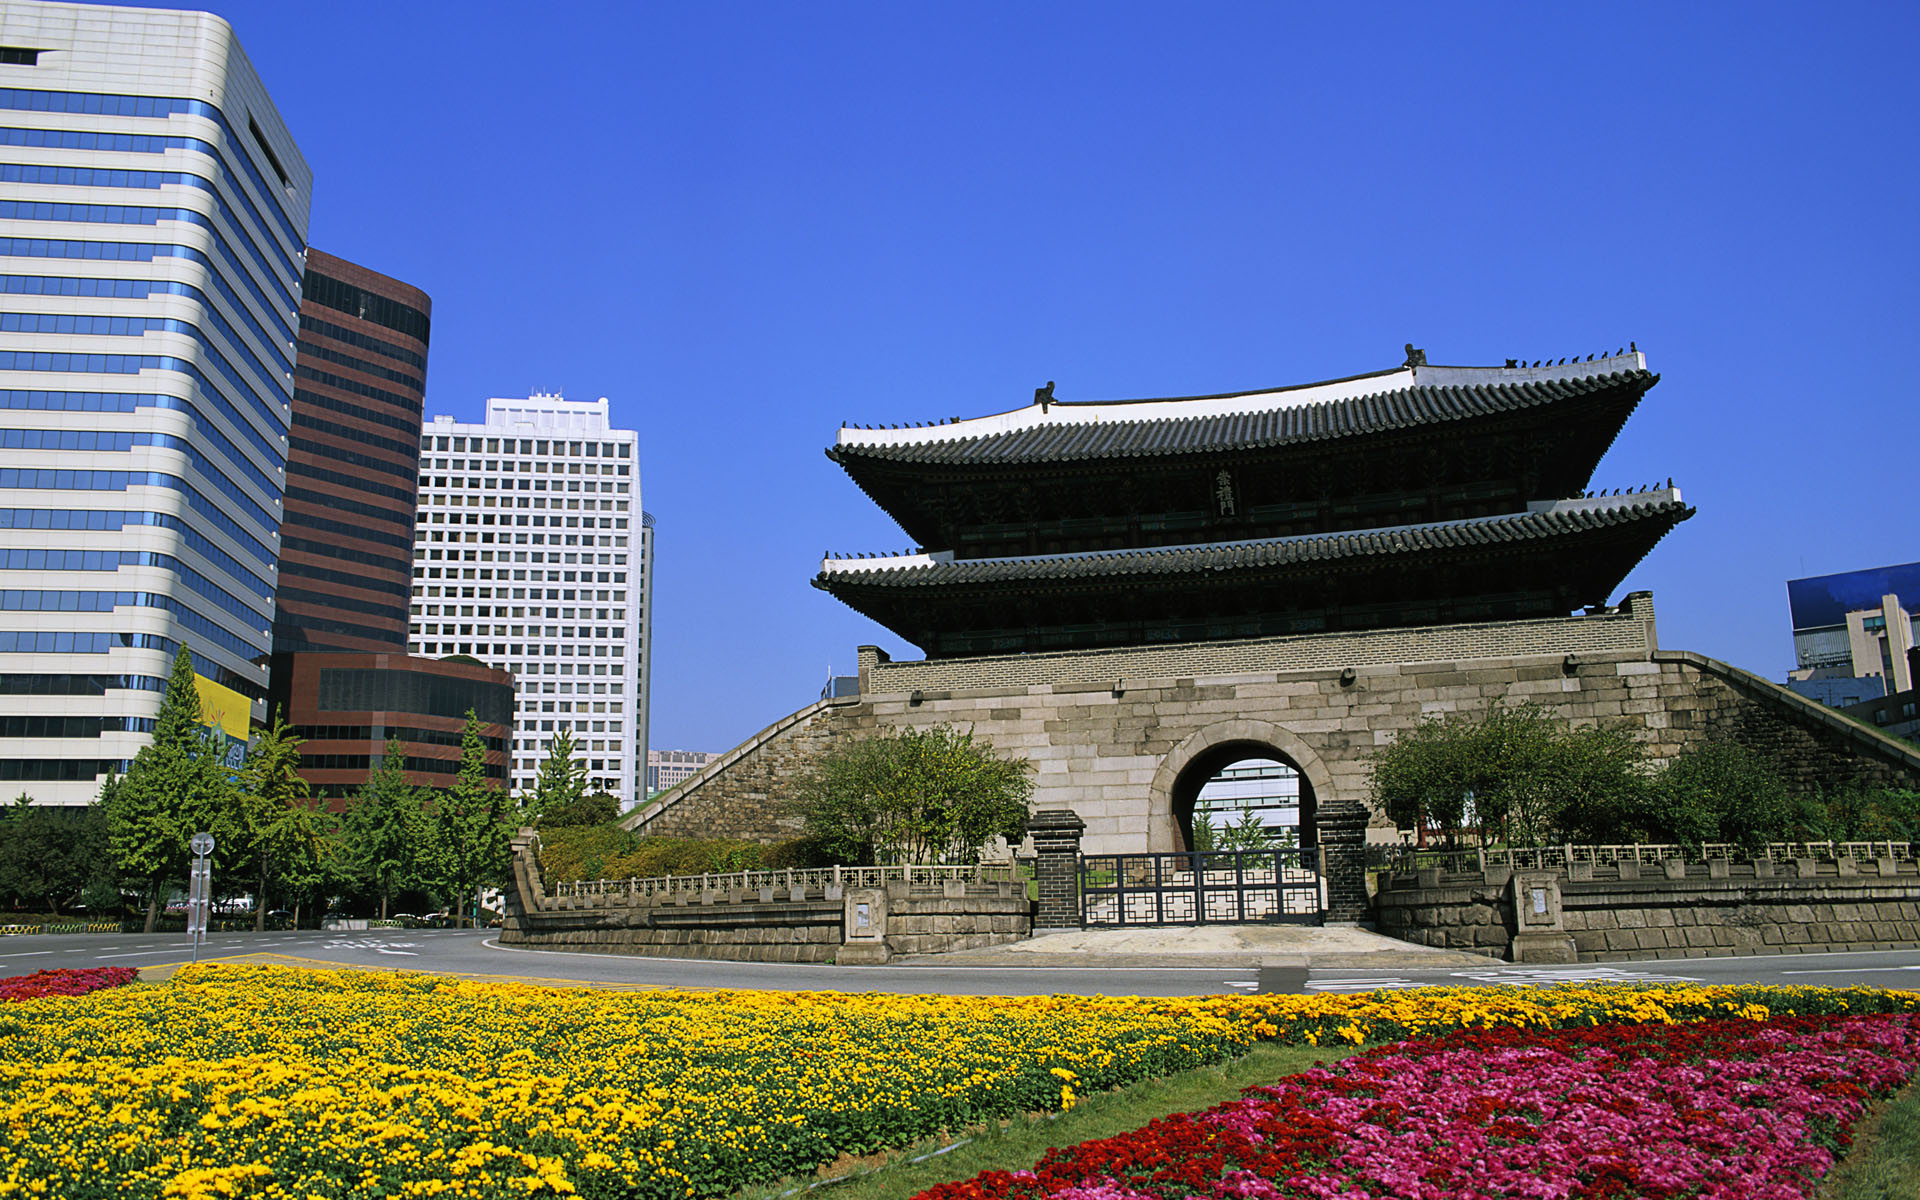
[(1212, 887)]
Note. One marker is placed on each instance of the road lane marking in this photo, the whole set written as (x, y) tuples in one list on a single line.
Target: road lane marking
[(1850, 970), (1549, 976), (1362, 985), (26, 954)]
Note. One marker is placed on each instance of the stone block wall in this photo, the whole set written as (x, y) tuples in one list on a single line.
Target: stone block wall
[(749, 792), (1810, 744), (741, 930), (1677, 910), (935, 920)]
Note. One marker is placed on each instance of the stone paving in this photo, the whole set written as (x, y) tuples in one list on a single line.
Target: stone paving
[(1309, 946)]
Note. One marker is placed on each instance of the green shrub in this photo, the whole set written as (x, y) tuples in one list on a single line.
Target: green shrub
[(933, 795), (1517, 776), (609, 852), (1858, 814), (1720, 791), (597, 809)]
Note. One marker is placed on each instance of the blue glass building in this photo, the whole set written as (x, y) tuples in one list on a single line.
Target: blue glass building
[(153, 219)]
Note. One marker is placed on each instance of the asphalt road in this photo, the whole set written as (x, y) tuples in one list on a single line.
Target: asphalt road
[(479, 955), (1888, 969)]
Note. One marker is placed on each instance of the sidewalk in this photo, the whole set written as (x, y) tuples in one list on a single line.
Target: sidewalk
[(1323, 947)]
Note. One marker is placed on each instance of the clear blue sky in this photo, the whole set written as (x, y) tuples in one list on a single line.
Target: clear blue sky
[(746, 223)]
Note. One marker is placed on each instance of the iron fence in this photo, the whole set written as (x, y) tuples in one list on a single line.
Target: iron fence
[(1279, 885)]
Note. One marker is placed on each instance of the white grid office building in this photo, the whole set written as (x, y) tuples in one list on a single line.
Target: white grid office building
[(532, 554), (153, 217)]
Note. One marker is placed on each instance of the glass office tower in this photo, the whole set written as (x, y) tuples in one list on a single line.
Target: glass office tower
[(532, 555), (153, 218)]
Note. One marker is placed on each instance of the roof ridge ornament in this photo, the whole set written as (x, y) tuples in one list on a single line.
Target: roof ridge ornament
[(1415, 358), (1043, 396)]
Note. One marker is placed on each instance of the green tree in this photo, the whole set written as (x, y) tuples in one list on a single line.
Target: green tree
[(1719, 791), (51, 855), (1857, 813), (1248, 833), (308, 852), (471, 823), (1516, 776), (1423, 779), (914, 796), (175, 787), (1537, 781), (383, 828), (561, 784), (597, 809), (286, 834)]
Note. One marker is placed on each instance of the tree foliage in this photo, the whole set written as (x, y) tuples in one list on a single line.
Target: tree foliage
[(175, 787), (1519, 777), (1248, 833), (597, 809), (915, 796), (470, 823), (384, 826), (561, 784), (288, 835), (610, 852), (1852, 812), (53, 857), (1719, 791)]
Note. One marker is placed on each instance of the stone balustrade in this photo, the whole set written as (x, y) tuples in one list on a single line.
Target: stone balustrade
[(845, 915)]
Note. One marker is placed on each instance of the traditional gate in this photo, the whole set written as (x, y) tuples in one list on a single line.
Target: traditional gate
[(1212, 887)]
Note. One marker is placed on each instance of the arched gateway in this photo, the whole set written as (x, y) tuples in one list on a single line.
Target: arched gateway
[(1134, 594), (1202, 756)]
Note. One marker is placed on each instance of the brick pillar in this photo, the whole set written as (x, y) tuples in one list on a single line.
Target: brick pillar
[(1056, 842), (1343, 842)]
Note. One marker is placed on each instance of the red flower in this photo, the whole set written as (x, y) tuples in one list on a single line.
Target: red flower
[(64, 982)]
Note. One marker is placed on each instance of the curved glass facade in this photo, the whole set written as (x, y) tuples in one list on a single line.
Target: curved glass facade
[(214, 299)]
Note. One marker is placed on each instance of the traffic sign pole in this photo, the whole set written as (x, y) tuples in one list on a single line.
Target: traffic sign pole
[(199, 889)]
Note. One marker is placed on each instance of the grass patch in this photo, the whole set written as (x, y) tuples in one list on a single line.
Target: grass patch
[(1884, 1163), (1018, 1144)]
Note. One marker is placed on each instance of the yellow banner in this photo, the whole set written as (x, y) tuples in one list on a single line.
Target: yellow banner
[(223, 708)]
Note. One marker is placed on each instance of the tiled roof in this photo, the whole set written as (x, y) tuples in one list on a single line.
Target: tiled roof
[(1376, 412), (1660, 509)]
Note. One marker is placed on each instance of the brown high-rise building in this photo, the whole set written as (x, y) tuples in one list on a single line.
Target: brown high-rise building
[(353, 463), (341, 675)]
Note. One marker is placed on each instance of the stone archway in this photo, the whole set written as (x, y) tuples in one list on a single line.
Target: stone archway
[(1200, 756)]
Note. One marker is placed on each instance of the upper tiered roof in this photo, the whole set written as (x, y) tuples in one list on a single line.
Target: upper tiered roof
[(1420, 494), (1409, 396)]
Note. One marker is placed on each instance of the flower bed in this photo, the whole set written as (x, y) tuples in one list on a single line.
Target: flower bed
[(64, 982), (1736, 1110), (336, 1084)]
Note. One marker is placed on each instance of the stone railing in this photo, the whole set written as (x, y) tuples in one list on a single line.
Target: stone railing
[(793, 882), (842, 915), (1409, 859)]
